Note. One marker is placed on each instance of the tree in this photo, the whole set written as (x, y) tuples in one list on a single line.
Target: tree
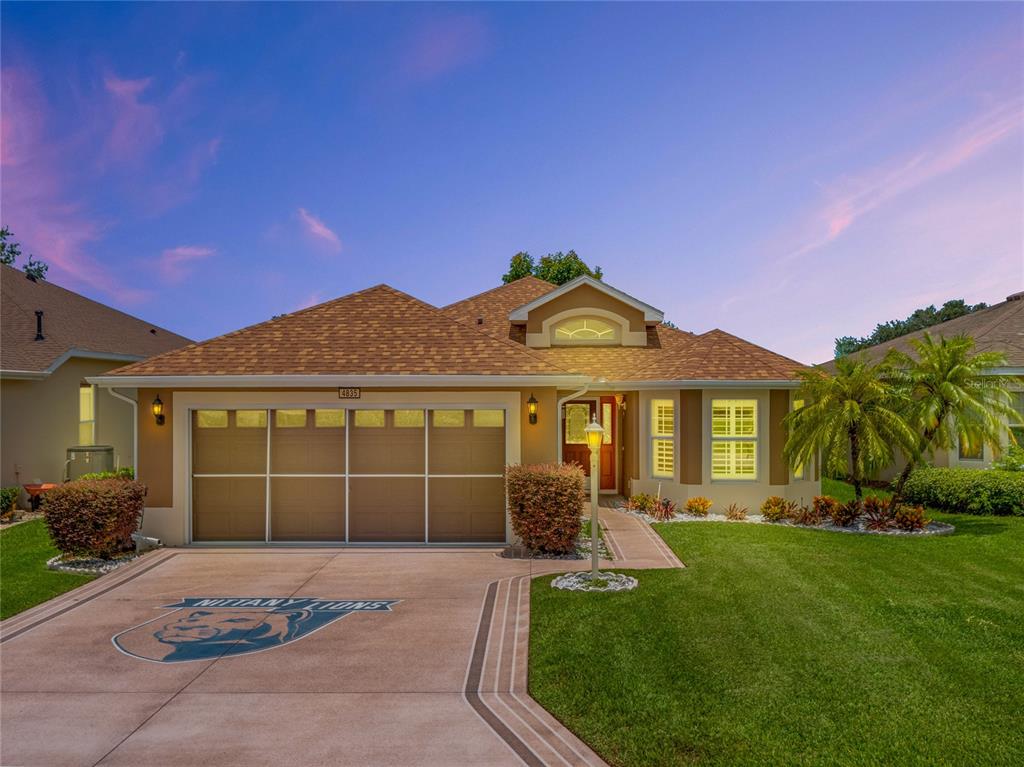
[(11, 252), (851, 419), (950, 394), (918, 320), (556, 268)]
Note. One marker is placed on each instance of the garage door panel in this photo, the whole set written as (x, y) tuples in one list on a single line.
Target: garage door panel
[(228, 508), (318, 447), (467, 509), (466, 449), (230, 448), (386, 509), (380, 444), (307, 508)]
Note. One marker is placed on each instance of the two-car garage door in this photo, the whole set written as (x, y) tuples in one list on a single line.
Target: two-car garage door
[(356, 475)]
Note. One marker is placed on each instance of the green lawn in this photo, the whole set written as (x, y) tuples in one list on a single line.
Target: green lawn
[(24, 579), (788, 646)]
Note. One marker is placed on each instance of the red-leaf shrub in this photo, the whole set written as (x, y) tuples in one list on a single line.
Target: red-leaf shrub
[(825, 505), (775, 508), (546, 501), (877, 514), (845, 514), (807, 515), (94, 518), (910, 518), (698, 506), (664, 509)]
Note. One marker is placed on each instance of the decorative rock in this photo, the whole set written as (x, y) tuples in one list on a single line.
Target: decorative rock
[(585, 582), (88, 566)]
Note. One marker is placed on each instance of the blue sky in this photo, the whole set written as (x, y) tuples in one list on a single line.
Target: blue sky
[(788, 173)]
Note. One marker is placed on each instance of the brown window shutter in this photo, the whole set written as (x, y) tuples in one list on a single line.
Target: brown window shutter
[(691, 440), (778, 471)]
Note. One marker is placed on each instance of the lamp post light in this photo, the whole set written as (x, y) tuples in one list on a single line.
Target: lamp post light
[(595, 435)]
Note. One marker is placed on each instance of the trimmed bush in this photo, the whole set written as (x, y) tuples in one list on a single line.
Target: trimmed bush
[(94, 518), (735, 512), (1012, 459), (967, 491), (644, 502), (775, 508), (545, 501), (699, 506), (8, 497), (126, 472)]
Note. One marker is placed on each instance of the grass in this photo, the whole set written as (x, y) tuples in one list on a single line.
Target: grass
[(24, 579), (585, 530), (786, 646)]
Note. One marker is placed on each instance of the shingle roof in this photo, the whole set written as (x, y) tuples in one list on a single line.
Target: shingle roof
[(378, 331), (998, 328), (382, 331), (70, 322)]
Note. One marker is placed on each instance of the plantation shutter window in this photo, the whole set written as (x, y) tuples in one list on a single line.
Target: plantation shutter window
[(86, 414), (798, 470), (734, 439), (663, 452), (1017, 423)]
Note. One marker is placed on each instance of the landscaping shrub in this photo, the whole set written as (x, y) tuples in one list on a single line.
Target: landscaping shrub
[(967, 491), (877, 513), (126, 472), (1012, 459), (735, 512), (807, 515), (664, 509), (775, 508), (94, 518), (824, 505), (545, 501), (845, 514), (699, 506), (8, 497), (644, 502), (910, 518)]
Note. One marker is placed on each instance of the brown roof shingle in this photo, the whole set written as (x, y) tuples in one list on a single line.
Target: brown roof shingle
[(70, 322)]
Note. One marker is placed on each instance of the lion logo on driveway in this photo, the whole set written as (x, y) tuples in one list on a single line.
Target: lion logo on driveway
[(205, 628)]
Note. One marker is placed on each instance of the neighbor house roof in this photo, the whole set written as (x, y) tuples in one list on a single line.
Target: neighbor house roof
[(72, 325), (383, 332), (999, 328)]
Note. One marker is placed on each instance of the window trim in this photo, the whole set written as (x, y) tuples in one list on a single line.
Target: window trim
[(654, 438), (754, 439)]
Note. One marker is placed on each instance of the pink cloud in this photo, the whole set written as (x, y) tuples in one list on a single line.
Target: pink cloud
[(319, 230), (443, 45), (134, 127), (314, 298), (174, 263)]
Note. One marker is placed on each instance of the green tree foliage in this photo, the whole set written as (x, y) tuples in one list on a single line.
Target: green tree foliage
[(556, 268), (851, 419), (949, 395), (10, 251), (918, 320)]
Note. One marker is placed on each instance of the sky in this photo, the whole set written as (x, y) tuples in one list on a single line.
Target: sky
[(789, 173)]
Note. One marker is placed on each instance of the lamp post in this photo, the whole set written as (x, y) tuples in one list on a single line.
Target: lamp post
[(595, 435)]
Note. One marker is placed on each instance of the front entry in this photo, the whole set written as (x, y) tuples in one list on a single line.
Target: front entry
[(575, 417)]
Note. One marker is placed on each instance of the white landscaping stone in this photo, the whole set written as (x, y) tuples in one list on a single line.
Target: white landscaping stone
[(605, 582)]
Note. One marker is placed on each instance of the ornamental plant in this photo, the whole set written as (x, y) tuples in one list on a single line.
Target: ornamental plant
[(807, 515), (968, 491), (94, 518), (642, 502), (845, 514), (910, 518), (8, 499), (125, 472), (698, 506), (774, 509), (877, 513), (824, 505), (735, 512), (664, 509), (545, 502)]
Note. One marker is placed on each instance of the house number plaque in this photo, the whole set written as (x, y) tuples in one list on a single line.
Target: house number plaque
[(348, 393)]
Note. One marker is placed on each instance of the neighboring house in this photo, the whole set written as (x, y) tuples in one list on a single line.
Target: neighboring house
[(999, 328), (51, 341), (379, 418)]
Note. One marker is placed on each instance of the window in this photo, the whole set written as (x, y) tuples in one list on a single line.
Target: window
[(212, 419), (408, 419), (1017, 424), (798, 470), (86, 415), (577, 416), (663, 414), (251, 419), (449, 419), (369, 419), (584, 330), (968, 450), (606, 422), (734, 439), (488, 418), (290, 419), (329, 419)]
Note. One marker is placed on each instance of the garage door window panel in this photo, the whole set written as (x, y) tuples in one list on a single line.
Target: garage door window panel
[(469, 449), (386, 449), (306, 449), (228, 449)]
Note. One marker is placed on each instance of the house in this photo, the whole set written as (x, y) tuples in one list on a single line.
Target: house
[(51, 341), (377, 417), (999, 328)]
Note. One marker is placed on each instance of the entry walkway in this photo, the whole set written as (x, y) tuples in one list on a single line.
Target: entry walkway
[(439, 677)]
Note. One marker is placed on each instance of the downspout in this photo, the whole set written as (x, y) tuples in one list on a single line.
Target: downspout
[(135, 428), (558, 414)]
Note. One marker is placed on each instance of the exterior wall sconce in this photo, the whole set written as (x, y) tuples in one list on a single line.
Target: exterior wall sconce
[(531, 408), (158, 411), (620, 400)]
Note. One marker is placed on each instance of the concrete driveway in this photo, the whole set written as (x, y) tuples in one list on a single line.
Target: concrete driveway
[(300, 656)]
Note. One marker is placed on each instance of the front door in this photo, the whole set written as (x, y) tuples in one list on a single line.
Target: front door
[(575, 417)]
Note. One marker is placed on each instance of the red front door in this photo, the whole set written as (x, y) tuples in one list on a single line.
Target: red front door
[(575, 417)]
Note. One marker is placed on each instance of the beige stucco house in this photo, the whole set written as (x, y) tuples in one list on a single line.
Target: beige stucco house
[(376, 417), (52, 341), (999, 328)]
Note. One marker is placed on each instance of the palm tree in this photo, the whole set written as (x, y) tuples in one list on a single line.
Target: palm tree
[(851, 419), (950, 395)]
